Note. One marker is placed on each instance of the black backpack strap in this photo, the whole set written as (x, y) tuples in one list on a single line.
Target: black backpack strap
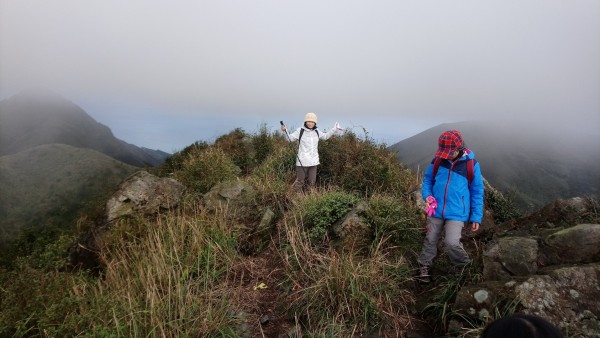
[(302, 132)]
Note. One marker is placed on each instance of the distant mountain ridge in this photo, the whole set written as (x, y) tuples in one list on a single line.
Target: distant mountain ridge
[(34, 118), (535, 165), (49, 185)]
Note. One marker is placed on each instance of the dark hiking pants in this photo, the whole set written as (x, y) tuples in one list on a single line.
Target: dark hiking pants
[(304, 174)]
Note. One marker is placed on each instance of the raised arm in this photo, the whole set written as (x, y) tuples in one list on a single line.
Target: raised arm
[(323, 135), (293, 136)]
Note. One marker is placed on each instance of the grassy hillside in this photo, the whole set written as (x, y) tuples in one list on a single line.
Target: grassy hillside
[(212, 272), (532, 165), (49, 185)]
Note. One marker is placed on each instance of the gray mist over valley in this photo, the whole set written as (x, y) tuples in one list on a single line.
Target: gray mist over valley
[(163, 75)]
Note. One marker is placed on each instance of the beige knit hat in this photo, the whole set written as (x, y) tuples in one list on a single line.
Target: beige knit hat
[(310, 117)]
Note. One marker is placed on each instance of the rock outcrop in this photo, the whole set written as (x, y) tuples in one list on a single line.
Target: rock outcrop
[(353, 231), (144, 193), (141, 194), (237, 200), (542, 265)]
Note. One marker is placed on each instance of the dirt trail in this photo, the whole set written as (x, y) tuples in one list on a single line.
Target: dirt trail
[(257, 282)]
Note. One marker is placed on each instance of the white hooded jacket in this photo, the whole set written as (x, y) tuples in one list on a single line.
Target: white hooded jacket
[(308, 150)]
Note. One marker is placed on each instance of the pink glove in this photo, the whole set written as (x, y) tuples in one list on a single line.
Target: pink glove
[(431, 205)]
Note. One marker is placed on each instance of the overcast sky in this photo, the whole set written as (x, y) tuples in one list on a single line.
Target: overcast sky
[(163, 74)]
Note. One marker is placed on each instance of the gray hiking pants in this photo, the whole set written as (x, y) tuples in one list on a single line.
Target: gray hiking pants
[(304, 173), (456, 252)]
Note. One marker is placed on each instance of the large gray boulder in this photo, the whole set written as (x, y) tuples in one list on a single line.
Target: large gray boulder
[(578, 244), (144, 193), (352, 231), (510, 256), (140, 194), (546, 264), (563, 295), (228, 194), (566, 296)]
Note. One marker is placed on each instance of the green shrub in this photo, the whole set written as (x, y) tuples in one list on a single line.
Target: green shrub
[(273, 178), (502, 207), (249, 150), (320, 211), (237, 144), (361, 166), (279, 167), (273, 173), (265, 143), (204, 168), (396, 219), (176, 161)]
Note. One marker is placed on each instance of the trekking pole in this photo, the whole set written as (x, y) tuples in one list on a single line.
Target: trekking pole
[(288, 136), (286, 133)]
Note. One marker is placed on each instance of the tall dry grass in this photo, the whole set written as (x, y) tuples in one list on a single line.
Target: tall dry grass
[(341, 294), (164, 279)]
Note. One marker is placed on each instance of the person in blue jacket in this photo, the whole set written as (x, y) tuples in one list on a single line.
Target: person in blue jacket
[(453, 189)]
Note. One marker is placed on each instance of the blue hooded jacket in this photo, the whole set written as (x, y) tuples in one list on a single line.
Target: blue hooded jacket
[(456, 199)]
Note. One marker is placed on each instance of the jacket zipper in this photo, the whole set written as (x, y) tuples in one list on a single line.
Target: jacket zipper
[(446, 189)]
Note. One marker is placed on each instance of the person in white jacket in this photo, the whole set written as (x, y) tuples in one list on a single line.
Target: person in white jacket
[(308, 151)]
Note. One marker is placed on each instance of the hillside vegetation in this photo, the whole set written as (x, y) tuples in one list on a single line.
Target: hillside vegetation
[(47, 188), (205, 272)]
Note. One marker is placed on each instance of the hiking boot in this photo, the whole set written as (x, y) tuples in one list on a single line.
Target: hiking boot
[(454, 272), (458, 270), (424, 276)]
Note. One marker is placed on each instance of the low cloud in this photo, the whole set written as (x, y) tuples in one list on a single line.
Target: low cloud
[(385, 66)]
